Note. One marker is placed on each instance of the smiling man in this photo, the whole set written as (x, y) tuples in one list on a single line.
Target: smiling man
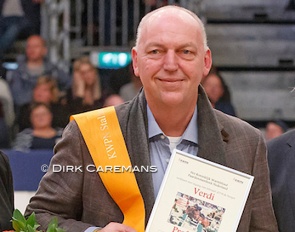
[(170, 57)]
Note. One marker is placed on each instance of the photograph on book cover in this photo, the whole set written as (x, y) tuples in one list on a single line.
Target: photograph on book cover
[(197, 195), (194, 214)]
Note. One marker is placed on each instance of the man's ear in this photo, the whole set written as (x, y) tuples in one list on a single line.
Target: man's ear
[(207, 62), (134, 61)]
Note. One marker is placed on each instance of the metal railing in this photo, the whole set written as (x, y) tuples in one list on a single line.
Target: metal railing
[(74, 27), (55, 29), (117, 20)]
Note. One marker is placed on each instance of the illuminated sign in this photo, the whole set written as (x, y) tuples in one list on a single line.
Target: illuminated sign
[(110, 60)]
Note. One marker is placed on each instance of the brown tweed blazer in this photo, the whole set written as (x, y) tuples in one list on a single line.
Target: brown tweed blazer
[(80, 199)]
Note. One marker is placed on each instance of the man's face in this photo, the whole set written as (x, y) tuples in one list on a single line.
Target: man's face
[(273, 130), (35, 49), (170, 59)]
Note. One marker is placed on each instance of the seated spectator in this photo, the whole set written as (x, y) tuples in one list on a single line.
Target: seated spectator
[(274, 129), (42, 135), (86, 93), (17, 17), (129, 90), (30, 67), (6, 114), (6, 194), (113, 100), (45, 91), (218, 92)]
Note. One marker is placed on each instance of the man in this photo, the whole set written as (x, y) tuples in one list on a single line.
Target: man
[(6, 194), (281, 161), (30, 67), (170, 57)]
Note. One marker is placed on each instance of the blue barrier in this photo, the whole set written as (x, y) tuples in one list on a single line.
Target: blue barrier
[(28, 167)]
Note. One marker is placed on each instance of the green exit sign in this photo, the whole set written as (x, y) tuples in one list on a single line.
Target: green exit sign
[(110, 60)]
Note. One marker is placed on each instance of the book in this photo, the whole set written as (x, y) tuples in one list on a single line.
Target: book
[(198, 195)]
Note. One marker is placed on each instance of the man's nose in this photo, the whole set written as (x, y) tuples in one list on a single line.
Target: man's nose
[(170, 61)]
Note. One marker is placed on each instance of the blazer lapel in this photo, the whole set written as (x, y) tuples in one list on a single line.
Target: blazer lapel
[(290, 163), (210, 133), (134, 129)]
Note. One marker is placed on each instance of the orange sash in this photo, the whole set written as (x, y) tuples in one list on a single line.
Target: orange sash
[(102, 134)]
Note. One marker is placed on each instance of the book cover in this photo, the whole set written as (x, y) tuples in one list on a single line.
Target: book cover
[(197, 195)]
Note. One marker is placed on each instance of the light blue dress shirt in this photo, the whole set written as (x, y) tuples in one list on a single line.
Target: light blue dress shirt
[(159, 146)]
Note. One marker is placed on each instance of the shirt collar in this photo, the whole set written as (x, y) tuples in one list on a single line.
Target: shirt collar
[(153, 126), (190, 134)]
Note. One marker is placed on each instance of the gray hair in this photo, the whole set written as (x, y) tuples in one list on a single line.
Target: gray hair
[(145, 19)]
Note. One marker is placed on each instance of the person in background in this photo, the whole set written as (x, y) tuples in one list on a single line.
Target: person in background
[(4, 136), (7, 115), (113, 100), (275, 128), (30, 67), (281, 161), (47, 92), (42, 135), (129, 90), (170, 56), (6, 193), (86, 93), (218, 92)]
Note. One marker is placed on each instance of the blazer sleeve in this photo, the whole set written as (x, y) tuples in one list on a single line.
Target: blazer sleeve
[(262, 216)]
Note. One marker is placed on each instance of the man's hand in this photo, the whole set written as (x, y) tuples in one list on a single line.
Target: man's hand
[(116, 227)]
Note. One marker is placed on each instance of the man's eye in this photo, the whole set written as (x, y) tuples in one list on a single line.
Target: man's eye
[(186, 54), (155, 51), (186, 51)]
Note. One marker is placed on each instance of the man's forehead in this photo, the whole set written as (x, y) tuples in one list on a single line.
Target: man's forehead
[(170, 13)]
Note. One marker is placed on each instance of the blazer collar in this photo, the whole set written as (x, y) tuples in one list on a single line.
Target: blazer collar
[(289, 156), (211, 133), (133, 122), (291, 140)]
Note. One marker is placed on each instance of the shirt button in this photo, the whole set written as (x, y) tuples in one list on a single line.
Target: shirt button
[(162, 137)]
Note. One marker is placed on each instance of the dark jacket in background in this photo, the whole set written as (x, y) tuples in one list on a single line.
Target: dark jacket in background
[(6, 193), (281, 159)]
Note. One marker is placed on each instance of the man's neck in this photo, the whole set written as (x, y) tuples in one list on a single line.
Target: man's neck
[(173, 120), (34, 64)]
